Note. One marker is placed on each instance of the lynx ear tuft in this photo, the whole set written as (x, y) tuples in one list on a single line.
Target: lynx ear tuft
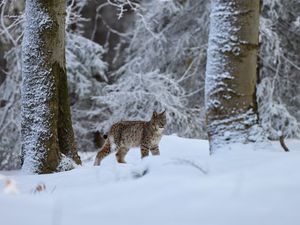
[(163, 112)]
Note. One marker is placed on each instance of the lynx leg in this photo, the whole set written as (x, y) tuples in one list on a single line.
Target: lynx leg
[(155, 150), (104, 151), (121, 153), (144, 151)]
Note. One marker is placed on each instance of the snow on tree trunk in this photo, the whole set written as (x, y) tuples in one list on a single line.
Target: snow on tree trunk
[(46, 119), (231, 72)]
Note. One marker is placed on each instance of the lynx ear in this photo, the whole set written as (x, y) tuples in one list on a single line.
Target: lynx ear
[(163, 112), (154, 114)]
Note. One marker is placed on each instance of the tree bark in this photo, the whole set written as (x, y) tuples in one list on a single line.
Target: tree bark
[(230, 95), (46, 119)]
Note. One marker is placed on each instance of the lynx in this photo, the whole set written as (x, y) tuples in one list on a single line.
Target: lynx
[(128, 134)]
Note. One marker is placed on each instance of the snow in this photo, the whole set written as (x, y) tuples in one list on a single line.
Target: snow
[(221, 35), (248, 184)]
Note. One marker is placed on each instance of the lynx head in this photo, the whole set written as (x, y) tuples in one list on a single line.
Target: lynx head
[(159, 120)]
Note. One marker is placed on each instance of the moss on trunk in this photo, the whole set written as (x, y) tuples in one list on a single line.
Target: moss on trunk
[(66, 139)]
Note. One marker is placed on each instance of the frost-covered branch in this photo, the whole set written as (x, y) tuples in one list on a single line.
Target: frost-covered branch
[(163, 67), (109, 28), (122, 6), (278, 91)]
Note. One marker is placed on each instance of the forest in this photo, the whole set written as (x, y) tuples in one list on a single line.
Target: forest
[(224, 73)]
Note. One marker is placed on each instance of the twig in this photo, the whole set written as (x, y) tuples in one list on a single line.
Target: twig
[(191, 163)]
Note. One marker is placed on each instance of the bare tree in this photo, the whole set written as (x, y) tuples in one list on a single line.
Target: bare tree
[(47, 134), (231, 72)]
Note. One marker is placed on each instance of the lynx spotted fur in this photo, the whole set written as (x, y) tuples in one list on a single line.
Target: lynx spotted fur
[(128, 134)]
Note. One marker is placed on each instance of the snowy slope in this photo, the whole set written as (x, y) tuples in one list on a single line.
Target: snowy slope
[(253, 184)]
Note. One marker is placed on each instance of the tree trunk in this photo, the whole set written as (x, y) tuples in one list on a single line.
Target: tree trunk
[(230, 85), (46, 119)]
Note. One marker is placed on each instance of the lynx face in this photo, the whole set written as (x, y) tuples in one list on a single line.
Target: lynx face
[(159, 120)]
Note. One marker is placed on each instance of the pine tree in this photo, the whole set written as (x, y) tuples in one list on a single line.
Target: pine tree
[(47, 134), (231, 73)]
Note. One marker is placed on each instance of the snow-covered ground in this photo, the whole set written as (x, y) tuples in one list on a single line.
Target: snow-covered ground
[(253, 184)]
